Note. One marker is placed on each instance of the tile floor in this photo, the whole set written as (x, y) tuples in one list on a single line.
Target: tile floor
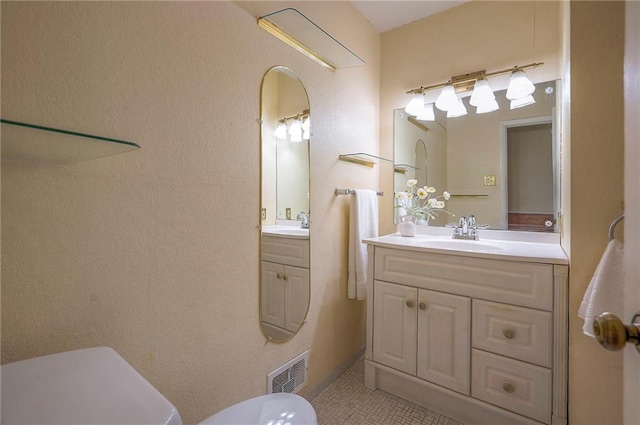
[(347, 402)]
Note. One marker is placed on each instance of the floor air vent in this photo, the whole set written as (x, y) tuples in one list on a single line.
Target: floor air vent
[(290, 377)]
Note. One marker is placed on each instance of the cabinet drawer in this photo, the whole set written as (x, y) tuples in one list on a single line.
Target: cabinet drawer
[(516, 332), (520, 387), (290, 252), (525, 284)]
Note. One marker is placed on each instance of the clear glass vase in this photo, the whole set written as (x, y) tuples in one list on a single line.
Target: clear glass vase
[(407, 225)]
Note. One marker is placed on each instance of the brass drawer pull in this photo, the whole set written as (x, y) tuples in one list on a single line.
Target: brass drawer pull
[(279, 275), (410, 303), (509, 333), (508, 387), (422, 305)]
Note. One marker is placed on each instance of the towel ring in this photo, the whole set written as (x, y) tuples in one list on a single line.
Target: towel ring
[(612, 227)]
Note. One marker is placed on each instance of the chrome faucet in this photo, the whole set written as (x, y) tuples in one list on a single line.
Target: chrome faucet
[(467, 229), (303, 217)]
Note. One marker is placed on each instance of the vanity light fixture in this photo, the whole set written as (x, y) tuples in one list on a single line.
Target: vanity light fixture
[(416, 104), (519, 103), (482, 96), (298, 128), (426, 114)]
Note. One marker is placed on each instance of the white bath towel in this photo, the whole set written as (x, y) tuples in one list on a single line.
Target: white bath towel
[(605, 291), (363, 223)]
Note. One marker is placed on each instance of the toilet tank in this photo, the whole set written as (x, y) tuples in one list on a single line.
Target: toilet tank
[(83, 387)]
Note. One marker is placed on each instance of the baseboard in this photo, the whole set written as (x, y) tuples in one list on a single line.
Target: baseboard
[(322, 385)]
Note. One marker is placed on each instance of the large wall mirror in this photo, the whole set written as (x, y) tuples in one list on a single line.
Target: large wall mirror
[(284, 242), (501, 166)]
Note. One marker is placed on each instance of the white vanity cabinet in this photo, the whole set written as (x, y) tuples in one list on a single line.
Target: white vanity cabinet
[(479, 338), (285, 282)]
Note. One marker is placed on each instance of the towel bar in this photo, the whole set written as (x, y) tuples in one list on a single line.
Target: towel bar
[(351, 192), (613, 225)]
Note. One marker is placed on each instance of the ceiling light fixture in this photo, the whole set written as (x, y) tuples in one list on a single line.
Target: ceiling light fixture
[(482, 97)]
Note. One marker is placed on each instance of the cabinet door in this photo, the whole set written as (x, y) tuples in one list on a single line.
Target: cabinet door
[(296, 296), (444, 325), (272, 297), (395, 326)]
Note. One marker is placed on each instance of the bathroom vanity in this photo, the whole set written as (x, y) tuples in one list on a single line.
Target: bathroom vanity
[(475, 330), (285, 280)]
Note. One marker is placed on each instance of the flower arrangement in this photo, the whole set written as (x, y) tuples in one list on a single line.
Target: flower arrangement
[(419, 202)]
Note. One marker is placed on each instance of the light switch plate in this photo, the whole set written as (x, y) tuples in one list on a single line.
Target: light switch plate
[(263, 212)]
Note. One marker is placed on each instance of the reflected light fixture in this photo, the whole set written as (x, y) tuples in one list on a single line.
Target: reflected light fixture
[(427, 113), (459, 110), (281, 130), (295, 130), (482, 97), (306, 127), (519, 103)]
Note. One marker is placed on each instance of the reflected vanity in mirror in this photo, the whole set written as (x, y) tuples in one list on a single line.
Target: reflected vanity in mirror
[(284, 241), (503, 166)]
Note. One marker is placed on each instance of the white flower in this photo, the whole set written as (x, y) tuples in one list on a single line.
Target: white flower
[(418, 201), (399, 195), (446, 195), (430, 189), (439, 204), (412, 182), (432, 202), (422, 194)]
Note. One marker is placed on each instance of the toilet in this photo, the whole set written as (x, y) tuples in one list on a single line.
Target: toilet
[(96, 386)]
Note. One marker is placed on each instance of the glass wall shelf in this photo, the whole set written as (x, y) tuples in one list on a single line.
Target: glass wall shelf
[(362, 158), (30, 142)]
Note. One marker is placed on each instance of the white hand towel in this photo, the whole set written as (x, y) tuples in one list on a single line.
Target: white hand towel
[(605, 291), (363, 223)]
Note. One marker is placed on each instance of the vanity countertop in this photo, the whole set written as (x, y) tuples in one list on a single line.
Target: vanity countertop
[(524, 246), (290, 232)]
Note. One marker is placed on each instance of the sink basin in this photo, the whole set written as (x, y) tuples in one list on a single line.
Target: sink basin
[(461, 245), (286, 231)]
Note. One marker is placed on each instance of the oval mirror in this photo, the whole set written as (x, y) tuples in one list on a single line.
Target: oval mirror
[(284, 241)]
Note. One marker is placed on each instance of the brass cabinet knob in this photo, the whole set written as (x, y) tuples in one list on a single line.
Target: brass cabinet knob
[(509, 333), (508, 387), (410, 303), (279, 275), (612, 334), (285, 276), (422, 305)]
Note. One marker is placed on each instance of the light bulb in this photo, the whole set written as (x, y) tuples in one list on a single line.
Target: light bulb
[(489, 106), (281, 130), (306, 128), (519, 86), (458, 111), (482, 94), (295, 131), (519, 103), (447, 98), (416, 104), (427, 113)]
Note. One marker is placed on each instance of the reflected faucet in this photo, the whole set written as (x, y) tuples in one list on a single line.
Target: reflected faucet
[(303, 217), (467, 229)]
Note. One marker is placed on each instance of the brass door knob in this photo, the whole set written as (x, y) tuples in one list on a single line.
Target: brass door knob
[(612, 334), (410, 303)]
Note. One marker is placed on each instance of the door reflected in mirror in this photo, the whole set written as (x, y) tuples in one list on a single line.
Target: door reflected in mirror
[(284, 242), (503, 166)]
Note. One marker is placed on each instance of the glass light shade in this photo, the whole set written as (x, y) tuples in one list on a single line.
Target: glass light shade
[(416, 104), (306, 127), (519, 86), (447, 98), (489, 106), (482, 94), (427, 113), (295, 131), (458, 111), (519, 103), (281, 130)]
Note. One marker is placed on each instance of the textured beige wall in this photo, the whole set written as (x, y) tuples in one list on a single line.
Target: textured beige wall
[(155, 252), (477, 35), (597, 144)]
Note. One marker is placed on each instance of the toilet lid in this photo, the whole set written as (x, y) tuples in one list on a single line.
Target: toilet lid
[(270, 409)]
